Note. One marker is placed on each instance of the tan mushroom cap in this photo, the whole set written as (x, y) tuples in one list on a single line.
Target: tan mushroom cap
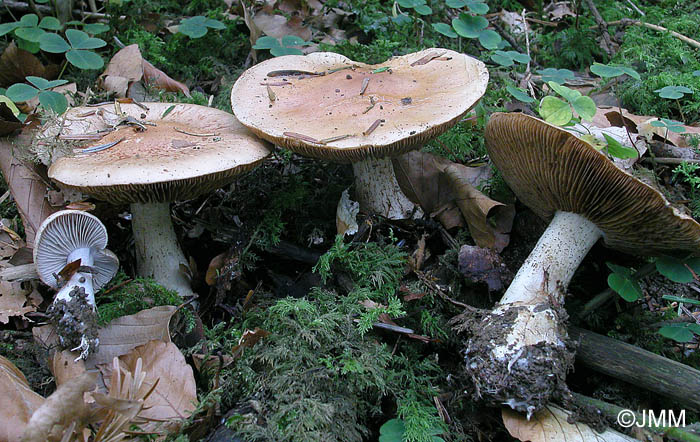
[(550, 169), (416, 101), (192, 150)]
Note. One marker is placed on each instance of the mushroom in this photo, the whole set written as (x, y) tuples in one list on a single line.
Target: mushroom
[(326, 106), (70, 256), (517, 354), (168, 152)]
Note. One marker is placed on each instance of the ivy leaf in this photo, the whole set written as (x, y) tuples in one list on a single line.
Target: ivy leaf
[(673, 92), (20, 92), (489, 39), (84, 59), (555, 111), (469, 26), (519, 94), (618, 150), (53, 43), (445, 29)]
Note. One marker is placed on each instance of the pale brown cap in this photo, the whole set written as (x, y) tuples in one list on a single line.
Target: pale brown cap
[(550, 169), (418, 97), (188, 151)]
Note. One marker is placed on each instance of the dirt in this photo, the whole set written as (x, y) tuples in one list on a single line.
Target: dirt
[(75, 322)]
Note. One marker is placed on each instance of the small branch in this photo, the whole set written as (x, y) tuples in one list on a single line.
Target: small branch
[(639, 11), (604, 296), (602, 25), (672, 161), (25, 7), (630, 22)]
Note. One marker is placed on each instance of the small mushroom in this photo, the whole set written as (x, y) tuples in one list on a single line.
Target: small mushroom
[(517, 354), (365, 118), (70, 256), (174, 152)]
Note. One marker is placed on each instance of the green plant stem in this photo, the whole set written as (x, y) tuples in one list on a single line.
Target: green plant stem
[(680, 109), (65, 63), (604, 296)]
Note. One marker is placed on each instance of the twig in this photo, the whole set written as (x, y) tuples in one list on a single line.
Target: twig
[(639, 11), (602, 25), (630, 22), (25, 7), (671, 161), (602, 297)]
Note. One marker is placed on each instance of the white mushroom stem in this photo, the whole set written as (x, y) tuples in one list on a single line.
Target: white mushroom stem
[(538, 284), (158, 253), (79, 279), (378, 191)]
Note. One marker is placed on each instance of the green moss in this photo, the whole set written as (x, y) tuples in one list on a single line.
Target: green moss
[(137, 295)]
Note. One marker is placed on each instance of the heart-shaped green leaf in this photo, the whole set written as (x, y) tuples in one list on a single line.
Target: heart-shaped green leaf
[(283, 50), (477, 7), (29, 21), (678, 333), (456, 4), (445, 29), (81, 40), (54, 101), (30, 34), (674, 269), (53, 43), (84, 59), (555, 111), (423, 9), (625, 286), (95, 28), (584, 107), (519, 57), (489, 39), (673, 92), (519, 94), (569, 94), (20, 92), (266, 42), (617, 150), (469, 26), (293, 40), (556, 75), (50, 23), (214, 24), (8, 27)]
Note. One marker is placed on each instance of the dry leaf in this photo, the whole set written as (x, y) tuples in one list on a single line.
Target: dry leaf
[(14, 301), (214, 267), (8, 117), (124, 334), (480, 264), (63, 407), (27, 190), (16, 64), (420, 177), (64, 367), (160, 80), (175, 395), (248, 340), (550, 424), (17, 401), (126, 63), (489, 221), (346, 214)]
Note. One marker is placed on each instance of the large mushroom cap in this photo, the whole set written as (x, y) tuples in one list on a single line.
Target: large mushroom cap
[(183, 153), (63, 232), (418, 96), (552, 170)]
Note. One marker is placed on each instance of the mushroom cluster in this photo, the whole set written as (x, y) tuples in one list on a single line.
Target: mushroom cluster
[(70, 256), (517, 354), (324, 105), (150, 157)]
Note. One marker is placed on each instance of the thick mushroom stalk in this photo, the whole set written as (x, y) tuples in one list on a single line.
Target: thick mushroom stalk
[(378, 191), (522, 342), (158, 254)]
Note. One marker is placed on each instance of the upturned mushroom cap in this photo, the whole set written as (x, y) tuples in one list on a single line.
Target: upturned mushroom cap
[(550, 169), (186, 152), (63, 232), (418, 96)]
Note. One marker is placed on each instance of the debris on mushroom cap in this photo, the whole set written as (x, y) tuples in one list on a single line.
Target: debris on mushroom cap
[(182, 153), (550, 169), (327, 106), (63, 232)]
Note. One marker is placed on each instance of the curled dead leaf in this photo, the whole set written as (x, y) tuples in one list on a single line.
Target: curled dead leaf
[(17, 401), (346, 214), (16, 64), (214, 267), (489, 221)]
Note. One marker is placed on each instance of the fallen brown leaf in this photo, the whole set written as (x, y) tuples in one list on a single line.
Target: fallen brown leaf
[(14, 301), (124, 334), (213, 269), (480, 264), (17, 401), (175, 395), (551, 424), (160, 80), (16, 64), (60, 410), (489, 221), (28, 191), (248, 340), (346, 215)]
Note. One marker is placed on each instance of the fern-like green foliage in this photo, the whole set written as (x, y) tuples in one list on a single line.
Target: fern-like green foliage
[(376, 271)]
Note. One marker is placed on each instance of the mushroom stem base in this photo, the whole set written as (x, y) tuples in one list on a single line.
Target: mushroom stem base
[(158, 254), (517, 354), (378, 191)]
